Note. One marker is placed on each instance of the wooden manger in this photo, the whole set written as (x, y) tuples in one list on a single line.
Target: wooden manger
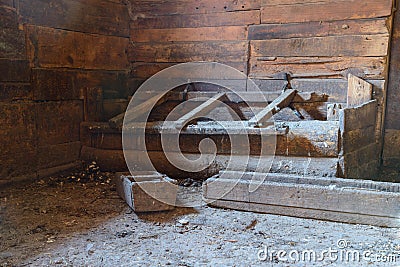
[(317, 140)]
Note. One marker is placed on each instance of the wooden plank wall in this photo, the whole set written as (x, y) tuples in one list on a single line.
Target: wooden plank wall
[(49, 51), (318, 43)]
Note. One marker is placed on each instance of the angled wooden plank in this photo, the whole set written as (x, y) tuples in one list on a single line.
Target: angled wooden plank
[(201, 110), (135, 112), (281, 102), (359, 91)]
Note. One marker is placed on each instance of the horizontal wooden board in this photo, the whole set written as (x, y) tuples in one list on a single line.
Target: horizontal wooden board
[(145, 70), (335, 89), (90, 16), (319, 67), (169, 7), (64, 84), (308, 213), (75, 50), (58, 155), (225, 51), (15, 91), (197, 20), (318, 28), (14, 70), (326, 10), (331, 46), (308, 196), (18, 164), (228, 33), (58, 121)]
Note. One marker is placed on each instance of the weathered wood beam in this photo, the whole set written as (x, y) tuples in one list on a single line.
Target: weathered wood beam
[(359, 91), (135, 112), (281, 102), (201, 110)]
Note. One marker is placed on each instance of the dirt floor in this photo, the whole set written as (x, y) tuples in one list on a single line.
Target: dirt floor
[(70, 222)]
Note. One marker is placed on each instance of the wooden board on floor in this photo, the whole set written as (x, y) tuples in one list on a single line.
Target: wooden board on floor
[(317, 198)]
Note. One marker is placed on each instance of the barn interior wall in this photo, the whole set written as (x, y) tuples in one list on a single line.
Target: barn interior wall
[(49, 52), (318, 43)]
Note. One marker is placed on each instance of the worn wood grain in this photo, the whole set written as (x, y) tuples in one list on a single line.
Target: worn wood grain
[(228, 33), (225, 51), (330, 46), (318, 67), (358, 92), (318, 29), (170, 7), (89, 16), (65, 84), (296, 11), (237, 18), (75, 50), (57, 155), (58, 121), (279, 103), (15, 91), (8, 17), (18, 127), (12, 43), (308, 213), (201, 110)]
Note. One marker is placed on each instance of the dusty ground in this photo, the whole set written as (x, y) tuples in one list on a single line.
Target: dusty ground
[(73, 223)]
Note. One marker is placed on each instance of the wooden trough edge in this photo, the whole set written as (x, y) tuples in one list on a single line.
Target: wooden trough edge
[(331, 199)]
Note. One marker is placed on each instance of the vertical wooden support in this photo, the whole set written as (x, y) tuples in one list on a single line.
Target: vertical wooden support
[(359, 91)]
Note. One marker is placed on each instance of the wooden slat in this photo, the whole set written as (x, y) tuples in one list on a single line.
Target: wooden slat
[(145, 70), (76, 50), (318, 29), (225, 51), (170, 7), (281, 102), (50, 156), (14, 70), (227, 33), (58, 121), (331, 46), (308, 213), (199, 111), (89, 16), (15, 91), (322, 67), (238, 18), (296, 11), (340, 198), (359, 91), (62, 84)]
